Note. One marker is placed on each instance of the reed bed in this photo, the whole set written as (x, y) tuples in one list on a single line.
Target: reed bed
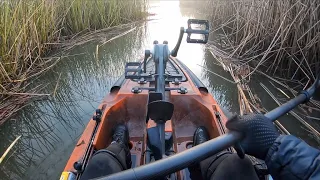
[(277, 39), (30, 30), (280, 37)]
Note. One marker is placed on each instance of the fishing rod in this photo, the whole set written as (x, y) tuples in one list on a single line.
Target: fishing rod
[(174, 163)]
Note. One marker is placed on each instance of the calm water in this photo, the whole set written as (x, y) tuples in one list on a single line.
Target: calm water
[(50, 128)]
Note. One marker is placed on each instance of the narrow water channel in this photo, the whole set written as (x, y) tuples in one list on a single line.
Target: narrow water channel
[(50, 128)]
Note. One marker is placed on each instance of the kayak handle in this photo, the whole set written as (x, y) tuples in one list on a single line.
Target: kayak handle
[(202, 151)]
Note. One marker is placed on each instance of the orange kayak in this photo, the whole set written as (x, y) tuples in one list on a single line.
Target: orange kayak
[(193, 108), (128, 103)]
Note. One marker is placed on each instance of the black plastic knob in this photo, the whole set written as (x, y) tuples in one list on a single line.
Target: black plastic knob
[(98, 111), (77, 166)]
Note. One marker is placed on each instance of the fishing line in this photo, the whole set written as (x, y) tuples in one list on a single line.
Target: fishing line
[(217, 75)]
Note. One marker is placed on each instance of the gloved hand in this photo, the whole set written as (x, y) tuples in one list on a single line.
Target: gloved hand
[(259, 132)]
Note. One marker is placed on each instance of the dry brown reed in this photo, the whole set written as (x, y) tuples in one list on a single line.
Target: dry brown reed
[(280, 37)]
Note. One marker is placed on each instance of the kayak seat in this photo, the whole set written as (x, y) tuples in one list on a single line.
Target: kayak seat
[(153, 96), (160, 110)]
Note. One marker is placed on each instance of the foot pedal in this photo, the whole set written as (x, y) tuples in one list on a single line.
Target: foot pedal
[(202, 30)]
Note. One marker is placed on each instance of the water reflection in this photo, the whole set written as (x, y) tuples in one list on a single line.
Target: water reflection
[(224, 92), (50, 128), (39, 138)]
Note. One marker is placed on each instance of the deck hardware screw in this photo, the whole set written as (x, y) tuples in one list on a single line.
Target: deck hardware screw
[(183, 90), (136, 90), (176, 81)]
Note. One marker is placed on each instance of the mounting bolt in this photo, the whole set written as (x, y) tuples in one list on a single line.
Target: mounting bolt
[(176, 81), (142, 81), (136, 90), (183, 90)]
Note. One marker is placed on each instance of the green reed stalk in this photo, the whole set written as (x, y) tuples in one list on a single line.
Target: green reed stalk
[(29, 28)]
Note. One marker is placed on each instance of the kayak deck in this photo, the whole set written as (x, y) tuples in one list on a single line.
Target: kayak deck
[(121, 106)]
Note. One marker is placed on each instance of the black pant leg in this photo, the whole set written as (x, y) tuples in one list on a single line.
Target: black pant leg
[(107, 161), (227, 166)]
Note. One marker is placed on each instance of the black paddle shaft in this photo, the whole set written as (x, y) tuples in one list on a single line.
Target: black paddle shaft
[(304, 96)]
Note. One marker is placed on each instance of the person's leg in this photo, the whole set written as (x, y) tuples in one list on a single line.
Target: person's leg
[(115, 158), (227, 165), (223, 165), (106, 161)]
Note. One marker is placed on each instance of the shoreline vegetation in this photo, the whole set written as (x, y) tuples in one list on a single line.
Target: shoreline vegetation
[(276, 39), (279, 37), (31, 30)]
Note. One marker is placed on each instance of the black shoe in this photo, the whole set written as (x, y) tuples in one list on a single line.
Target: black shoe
[(201, 135), (121, 135)]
